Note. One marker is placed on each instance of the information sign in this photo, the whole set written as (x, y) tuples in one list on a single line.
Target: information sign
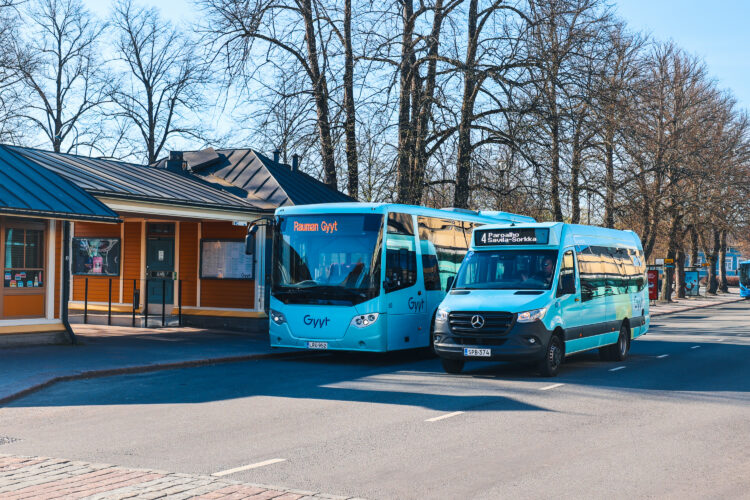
[(669, 261), (225, 259), (653, 284), (511, 236), (96, 256)]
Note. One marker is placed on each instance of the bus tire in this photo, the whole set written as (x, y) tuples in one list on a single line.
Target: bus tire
[(452, 365), (549, 366), (620, 350)]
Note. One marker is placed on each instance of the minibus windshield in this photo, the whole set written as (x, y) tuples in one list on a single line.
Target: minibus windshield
[(327, 259), (745, 273), (507, 270)]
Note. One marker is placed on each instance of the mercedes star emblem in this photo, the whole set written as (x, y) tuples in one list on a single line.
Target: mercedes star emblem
[(477, 321)]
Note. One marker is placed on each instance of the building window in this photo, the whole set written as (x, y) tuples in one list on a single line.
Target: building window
[(24, 258)]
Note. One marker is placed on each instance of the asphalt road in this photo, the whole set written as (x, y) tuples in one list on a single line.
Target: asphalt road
[(673, 421)]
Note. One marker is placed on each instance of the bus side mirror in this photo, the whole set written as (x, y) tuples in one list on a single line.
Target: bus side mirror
[(250, 242), (449, 283)]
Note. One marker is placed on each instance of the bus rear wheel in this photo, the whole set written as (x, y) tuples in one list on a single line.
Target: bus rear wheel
[(618, 351), (452, 365)]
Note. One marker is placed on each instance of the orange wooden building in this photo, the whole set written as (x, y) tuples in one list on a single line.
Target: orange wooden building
[(171, 235)]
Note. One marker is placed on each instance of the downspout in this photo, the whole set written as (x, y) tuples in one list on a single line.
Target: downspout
[(65, 295)]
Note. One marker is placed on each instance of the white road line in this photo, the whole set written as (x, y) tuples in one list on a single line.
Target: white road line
[(441, 417), (617, 368), (662, 356), (553, 386), (719, 340), (248, 467), (696, 347)]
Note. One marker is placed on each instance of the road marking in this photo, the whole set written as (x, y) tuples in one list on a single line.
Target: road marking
[(696, 347), (553, 386), (662, 356), (719, 340), (441, 417), (617, 368), (248, 467)]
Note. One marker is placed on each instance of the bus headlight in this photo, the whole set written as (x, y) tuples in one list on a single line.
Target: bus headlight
[(531, 316), (277, 317), (364, 320), (441, 315)]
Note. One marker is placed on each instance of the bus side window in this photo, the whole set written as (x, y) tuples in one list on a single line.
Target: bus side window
[(400, 253), (567, 282), (430, 271)]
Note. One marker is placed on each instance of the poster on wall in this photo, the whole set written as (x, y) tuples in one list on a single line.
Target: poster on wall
[(691, 283), (225, 259), (96, 256)]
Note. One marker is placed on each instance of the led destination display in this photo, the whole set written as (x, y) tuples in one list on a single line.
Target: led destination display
[(511, 236)]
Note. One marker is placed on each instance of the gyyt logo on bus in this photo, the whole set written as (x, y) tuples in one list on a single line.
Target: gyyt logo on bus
[(316, 322), (415, 305)]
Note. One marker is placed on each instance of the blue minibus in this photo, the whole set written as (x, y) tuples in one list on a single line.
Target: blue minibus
[(541, 292), (365, 276), (744, 272)]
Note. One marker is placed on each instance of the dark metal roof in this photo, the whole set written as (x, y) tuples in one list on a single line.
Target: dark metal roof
[(259, 178), (129, 181), (26, 188)]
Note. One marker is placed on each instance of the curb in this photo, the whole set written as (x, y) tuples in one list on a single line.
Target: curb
[(653, 315), (128, 370)]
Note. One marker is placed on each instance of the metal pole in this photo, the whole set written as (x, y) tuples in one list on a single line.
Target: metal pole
[(109, 305), (65, 292), (134, 304), (145, 307), (86, 302), (163, 302), (179, 303)]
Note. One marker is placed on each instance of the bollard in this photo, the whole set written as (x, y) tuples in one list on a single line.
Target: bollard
[(135, 302), (86, 302), (145, 307), (109, 305)]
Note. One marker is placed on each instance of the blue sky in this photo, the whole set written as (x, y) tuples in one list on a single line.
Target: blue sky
[(717, 31)]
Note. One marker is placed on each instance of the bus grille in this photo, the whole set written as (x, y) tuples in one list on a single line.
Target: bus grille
[(495, 323)]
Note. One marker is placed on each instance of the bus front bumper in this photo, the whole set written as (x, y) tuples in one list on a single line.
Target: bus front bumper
[(525, 341)]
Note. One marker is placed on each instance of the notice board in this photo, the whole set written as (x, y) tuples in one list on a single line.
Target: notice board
[(226, 259)]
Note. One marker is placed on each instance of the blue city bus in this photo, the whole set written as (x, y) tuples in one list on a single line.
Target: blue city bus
[(365, 276), (542, 291), (744, 271)]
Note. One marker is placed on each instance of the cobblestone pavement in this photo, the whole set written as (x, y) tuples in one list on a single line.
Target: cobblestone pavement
[(50, 478)]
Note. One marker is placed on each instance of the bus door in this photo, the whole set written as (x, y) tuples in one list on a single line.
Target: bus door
[(405, 299), (569, 298)]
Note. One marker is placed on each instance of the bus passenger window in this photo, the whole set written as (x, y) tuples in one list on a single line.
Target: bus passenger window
[(430, 271), (400, 262)]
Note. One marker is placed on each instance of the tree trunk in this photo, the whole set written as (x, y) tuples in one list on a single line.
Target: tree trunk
[(405, 145), (694, 247), (463, 159), (723, 282), (681, 291), (667, 283), (575, 172), (609, 182), (712, 257), (320, 93), (350, 124), (555, 180)]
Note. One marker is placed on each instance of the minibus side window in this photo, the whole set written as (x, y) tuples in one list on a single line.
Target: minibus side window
[(591, 273), (567, 282)]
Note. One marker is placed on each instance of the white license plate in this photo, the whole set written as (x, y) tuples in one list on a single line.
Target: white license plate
[(482, 353), (317, 345)]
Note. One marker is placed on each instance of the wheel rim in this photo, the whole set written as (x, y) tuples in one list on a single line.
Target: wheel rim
[(555, 354), (623, 342)]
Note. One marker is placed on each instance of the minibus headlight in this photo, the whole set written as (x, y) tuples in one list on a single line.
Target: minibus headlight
[(442, 315), (277, 317), (364, 320), (531, 316)]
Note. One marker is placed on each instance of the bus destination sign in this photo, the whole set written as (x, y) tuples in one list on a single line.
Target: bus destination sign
[(511, 236)]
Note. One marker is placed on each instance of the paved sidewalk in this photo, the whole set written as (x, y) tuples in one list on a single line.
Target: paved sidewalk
[(116, 350), (49, 478), (687, 304)]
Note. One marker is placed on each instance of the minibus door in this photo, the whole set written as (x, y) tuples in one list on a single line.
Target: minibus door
[(569, 298), (406, 303)]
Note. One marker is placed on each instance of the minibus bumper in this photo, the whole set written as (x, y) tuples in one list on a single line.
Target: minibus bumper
[(524, 341)]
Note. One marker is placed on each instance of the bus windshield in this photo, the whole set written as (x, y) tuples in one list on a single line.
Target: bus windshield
[(745, 274), (507, 270), (329, 259)]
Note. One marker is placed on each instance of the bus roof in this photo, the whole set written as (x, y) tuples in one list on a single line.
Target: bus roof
[(487, 216), (563, 235)]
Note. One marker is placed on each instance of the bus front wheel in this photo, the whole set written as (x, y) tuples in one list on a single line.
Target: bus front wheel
[(549, 366), (452, 365)]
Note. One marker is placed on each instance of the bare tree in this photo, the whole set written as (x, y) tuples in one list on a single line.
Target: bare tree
[(59, 67), (161, 83)]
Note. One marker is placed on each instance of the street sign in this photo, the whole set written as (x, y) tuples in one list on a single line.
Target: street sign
[(659, 262), (653, 280), (669, 261), (705, 264)]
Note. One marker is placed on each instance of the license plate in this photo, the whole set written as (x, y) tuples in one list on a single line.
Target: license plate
[(472, 351), (317, 345)]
